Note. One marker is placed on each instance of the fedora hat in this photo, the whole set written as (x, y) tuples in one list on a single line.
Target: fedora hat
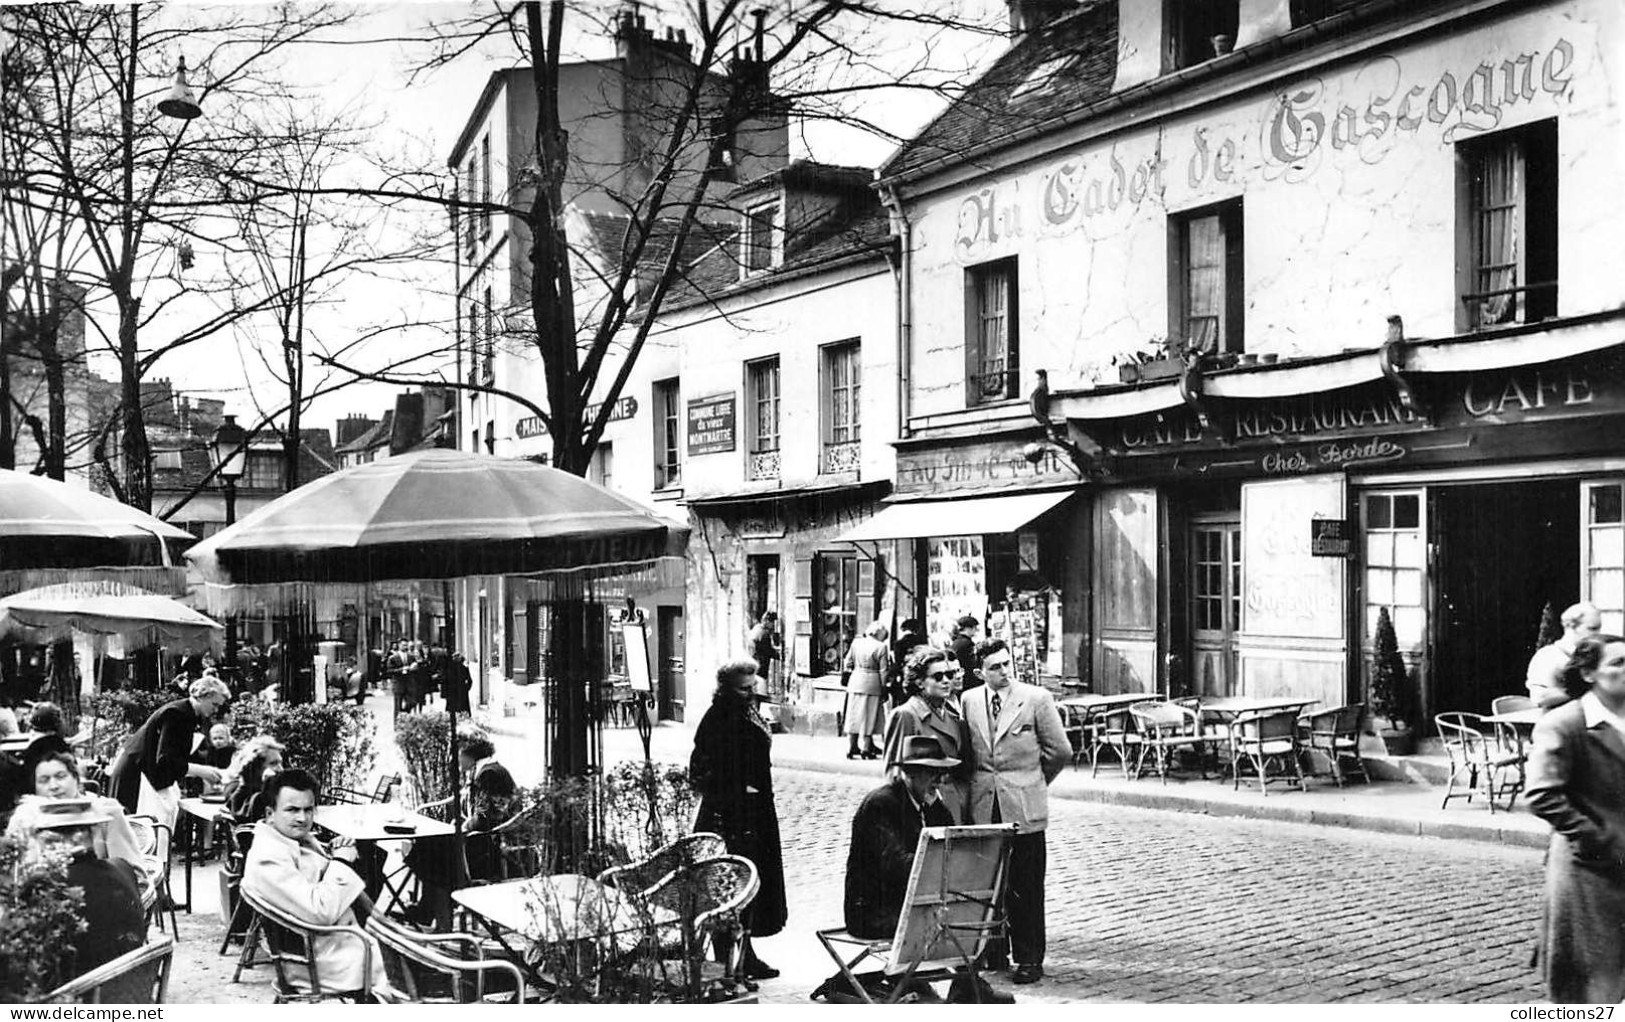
[(68, 812), (925, 751)]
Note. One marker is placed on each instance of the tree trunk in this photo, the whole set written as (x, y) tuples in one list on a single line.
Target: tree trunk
[(133, 445)]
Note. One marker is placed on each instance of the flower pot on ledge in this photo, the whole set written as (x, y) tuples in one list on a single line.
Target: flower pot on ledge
[(1398, 743)]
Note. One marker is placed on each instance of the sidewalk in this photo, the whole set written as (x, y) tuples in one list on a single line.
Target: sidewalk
[(1391, 807)]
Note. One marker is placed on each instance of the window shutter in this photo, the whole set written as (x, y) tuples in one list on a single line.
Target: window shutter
[(803, 612), (866, 594), (1012, 331), (1235, 295), (973, 335)]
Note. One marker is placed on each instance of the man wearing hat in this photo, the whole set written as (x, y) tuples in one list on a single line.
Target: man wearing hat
[(114, 921), (885, 832)]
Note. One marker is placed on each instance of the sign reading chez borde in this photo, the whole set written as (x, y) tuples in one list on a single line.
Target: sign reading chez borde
[(1526, 393), (975, 466), (711, 423)]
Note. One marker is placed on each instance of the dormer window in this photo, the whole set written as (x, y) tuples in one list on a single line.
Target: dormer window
[(760, 223), (1198, 30)]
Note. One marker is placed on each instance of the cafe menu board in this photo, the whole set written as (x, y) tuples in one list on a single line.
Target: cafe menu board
[(956, 579)]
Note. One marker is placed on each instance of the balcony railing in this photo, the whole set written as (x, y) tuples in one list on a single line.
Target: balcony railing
[(764, 465), (841, 457), (1511, 304)]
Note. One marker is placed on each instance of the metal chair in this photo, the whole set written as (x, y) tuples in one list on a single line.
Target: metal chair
[(1115, 732), (154, 841), (135, 977), (1335, 734), (703, 900), (349, 796), (1511, 704), (1477, 753), (644, 875), (291, 943), (441, 968), (1165, 728), (1264, 737)]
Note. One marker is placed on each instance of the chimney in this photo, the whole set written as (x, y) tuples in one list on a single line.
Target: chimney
[(1028, 16)]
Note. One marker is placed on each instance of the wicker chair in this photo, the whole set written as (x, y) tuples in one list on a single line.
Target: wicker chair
[(1165, 728), (292, 946), (1115, 731), (644, 875), (702, 900), (1335, 734), (135, 977), (442, 968), (1476, 754), (1263, 737)]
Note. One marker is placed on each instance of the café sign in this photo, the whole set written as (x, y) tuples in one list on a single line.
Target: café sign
[(712, 424), (1330, 537)]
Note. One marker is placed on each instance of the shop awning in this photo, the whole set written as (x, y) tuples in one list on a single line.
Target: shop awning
[(972, 516)]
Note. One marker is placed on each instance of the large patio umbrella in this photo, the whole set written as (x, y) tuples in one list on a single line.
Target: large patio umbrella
[(436, 514), (53, 532), (53, 613)]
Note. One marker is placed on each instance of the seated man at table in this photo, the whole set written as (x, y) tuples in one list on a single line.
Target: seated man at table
[(489, 798), (290, 870), (885, 832)]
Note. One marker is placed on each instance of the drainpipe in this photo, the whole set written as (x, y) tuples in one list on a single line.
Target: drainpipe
[(902, 268)]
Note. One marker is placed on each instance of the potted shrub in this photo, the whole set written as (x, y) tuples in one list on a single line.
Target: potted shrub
[(39, 917), (1393, 690)]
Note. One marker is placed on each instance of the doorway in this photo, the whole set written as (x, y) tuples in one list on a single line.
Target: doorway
[(1215, 607), (1503, 551), (673, 687)]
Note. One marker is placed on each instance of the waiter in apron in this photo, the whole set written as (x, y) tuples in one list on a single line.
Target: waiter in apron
[(146, 776)]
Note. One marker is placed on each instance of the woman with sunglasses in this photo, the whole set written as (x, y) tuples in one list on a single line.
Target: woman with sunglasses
[(929, 675)]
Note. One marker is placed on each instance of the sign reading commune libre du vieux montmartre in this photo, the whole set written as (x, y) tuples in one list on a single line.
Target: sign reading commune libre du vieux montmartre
[(711, 424)]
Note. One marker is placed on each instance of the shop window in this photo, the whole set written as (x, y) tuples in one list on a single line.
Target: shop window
[(1603, 511), (843, 601), (762, 417), (992, 334), (842, 379), (1395, 563), (1194, 28), (668, 438), (761, 224), (1205, 279), (1508, 185)]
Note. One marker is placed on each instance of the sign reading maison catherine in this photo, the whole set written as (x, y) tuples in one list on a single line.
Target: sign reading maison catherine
[(532, 425), (711, 424), (1364, 113)]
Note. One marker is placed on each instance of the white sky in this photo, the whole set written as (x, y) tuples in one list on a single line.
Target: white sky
[(365, 68)]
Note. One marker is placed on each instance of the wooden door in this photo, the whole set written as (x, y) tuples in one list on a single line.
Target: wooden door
[(673, 684), (1215, 606)]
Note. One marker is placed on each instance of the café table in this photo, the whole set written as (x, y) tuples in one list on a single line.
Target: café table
[(1227, 708), (567, 909), (368, 823), (1516, 725), (197, 813), (1088, 711)]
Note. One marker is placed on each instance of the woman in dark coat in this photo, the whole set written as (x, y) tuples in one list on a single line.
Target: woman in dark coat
[(1577, 784), (732, 769), (145, 777)]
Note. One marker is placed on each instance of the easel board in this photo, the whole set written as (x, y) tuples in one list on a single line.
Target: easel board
[(957, 878)]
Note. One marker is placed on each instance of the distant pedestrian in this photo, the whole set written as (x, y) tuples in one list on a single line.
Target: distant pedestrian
[(763, 641), (1018, 746), (868, 661), (962, 645), (1577, 784), (910, 636), (732, 769)]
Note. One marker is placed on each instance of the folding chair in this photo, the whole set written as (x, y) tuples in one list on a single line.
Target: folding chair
[(950, 911), (135, 977)]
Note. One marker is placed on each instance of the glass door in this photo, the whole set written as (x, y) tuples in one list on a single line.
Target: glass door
[(1602, 550), (1215, 605)]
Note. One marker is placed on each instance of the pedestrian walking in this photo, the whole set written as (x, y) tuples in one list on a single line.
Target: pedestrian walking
[(1577, 784), (732, 769), (1018, 746), (868, 660)]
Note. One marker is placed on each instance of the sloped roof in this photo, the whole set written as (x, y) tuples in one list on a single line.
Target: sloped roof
[(1056, 72), (378, 435)]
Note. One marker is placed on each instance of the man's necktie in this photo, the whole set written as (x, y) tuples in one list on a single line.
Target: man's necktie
[(998, 704)]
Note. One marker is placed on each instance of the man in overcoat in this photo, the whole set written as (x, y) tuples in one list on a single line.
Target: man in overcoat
[(1018, 746)]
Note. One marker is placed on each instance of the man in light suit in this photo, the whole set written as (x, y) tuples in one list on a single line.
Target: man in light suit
[(1017, 747)]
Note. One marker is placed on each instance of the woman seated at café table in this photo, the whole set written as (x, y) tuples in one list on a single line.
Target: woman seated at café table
[(258, 759), (56, 777)]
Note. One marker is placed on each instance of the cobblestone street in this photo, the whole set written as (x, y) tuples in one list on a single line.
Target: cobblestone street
[(1157, 906)]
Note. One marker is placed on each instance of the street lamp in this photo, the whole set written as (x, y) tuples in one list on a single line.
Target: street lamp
[(229, 448)]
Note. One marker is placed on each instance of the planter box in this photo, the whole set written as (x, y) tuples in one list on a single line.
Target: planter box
[(1156, 369)]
